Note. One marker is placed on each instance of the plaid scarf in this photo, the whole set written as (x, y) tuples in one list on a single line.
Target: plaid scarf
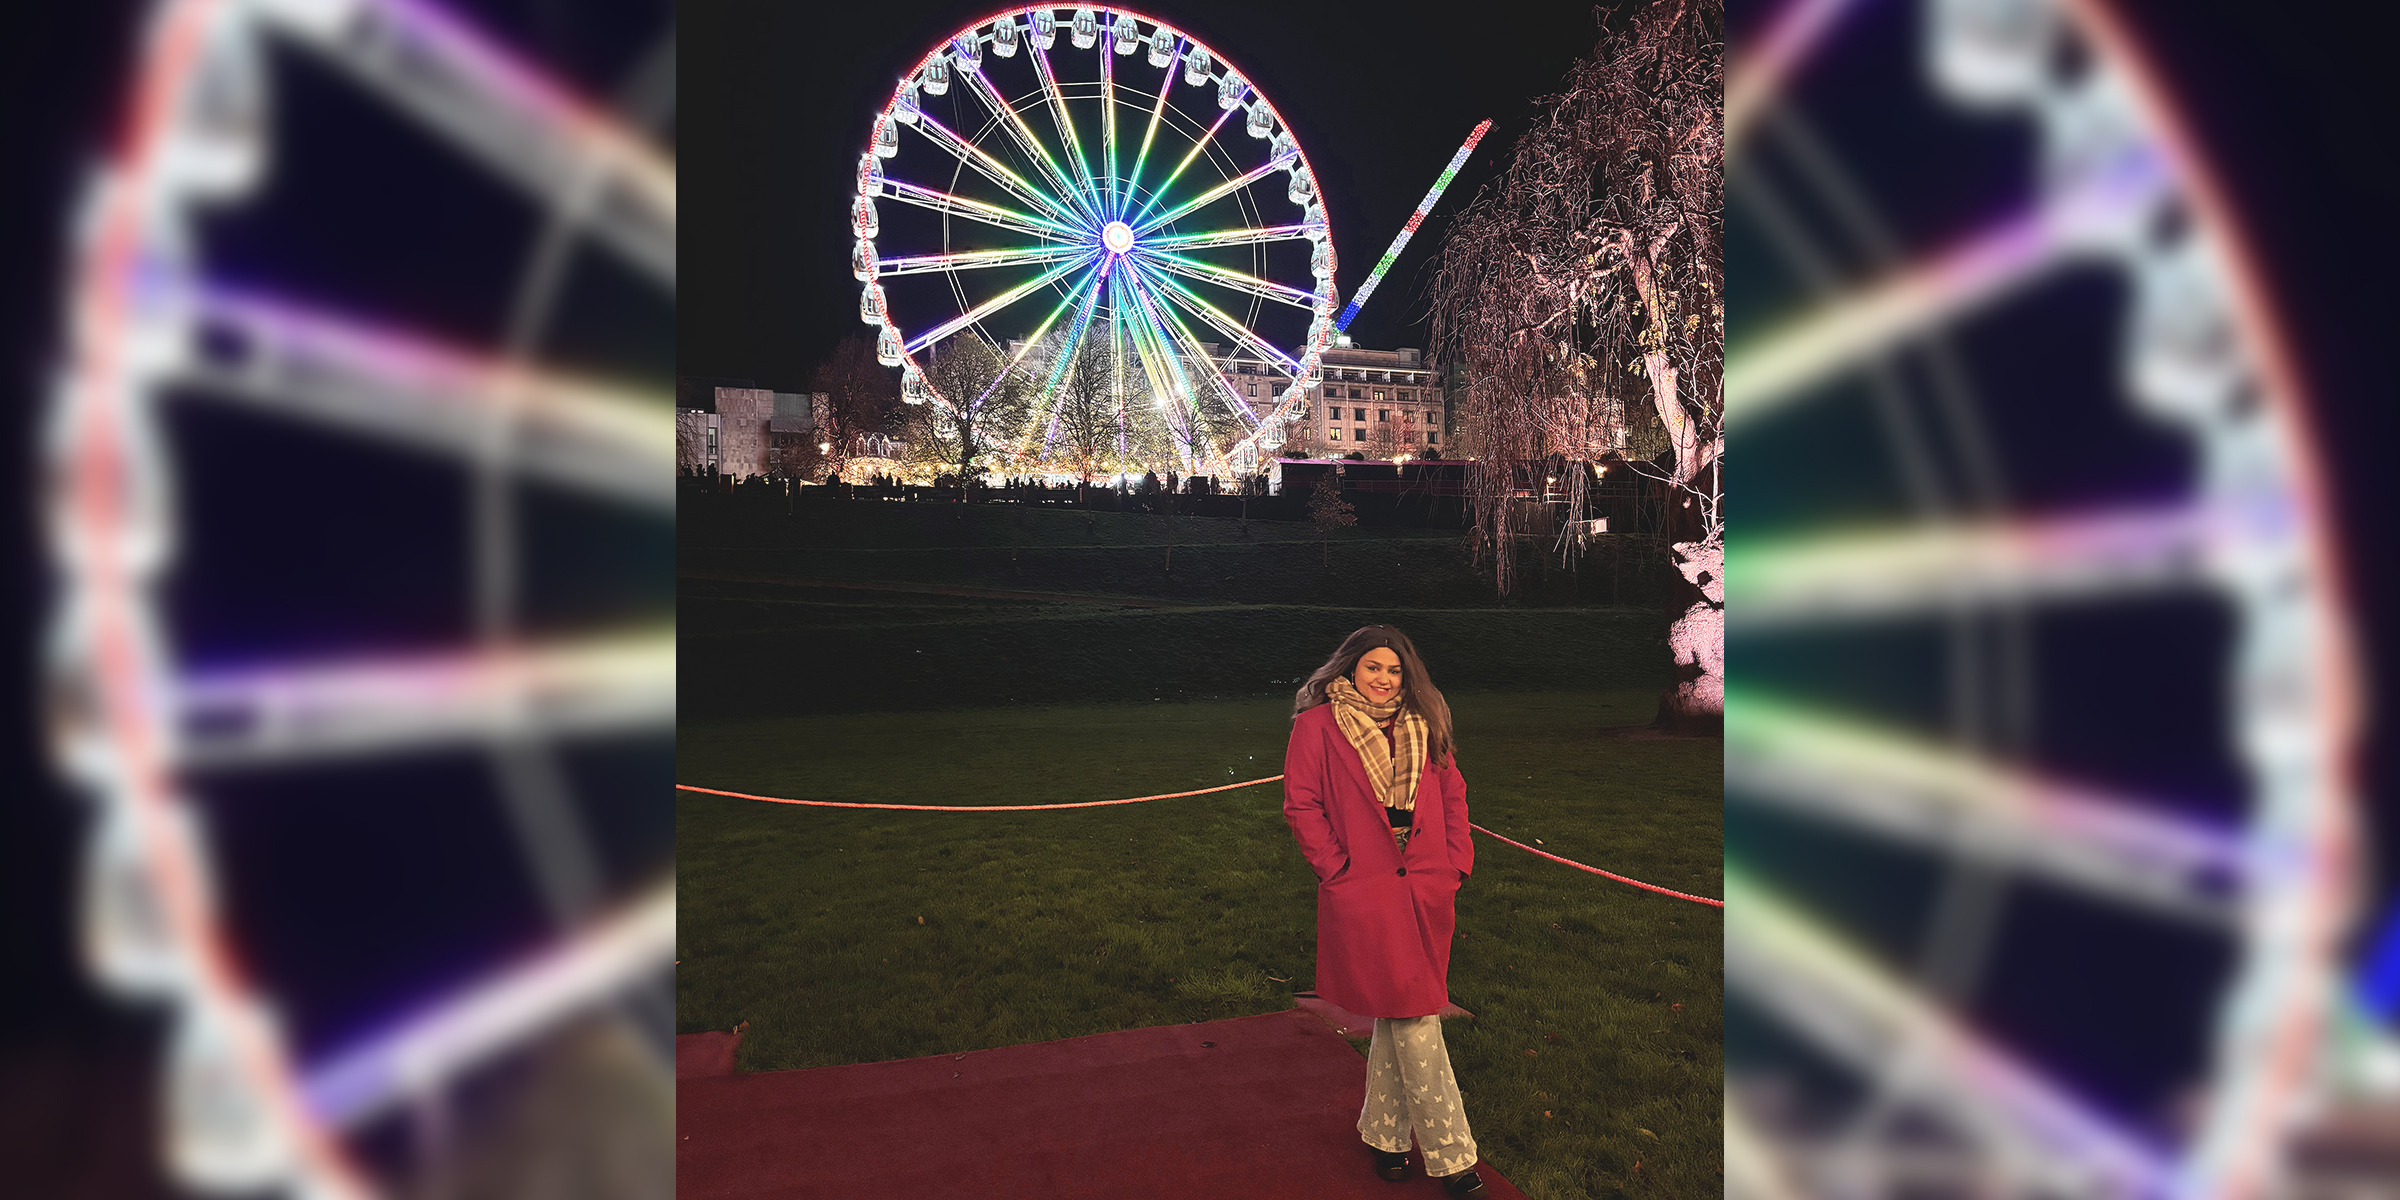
[(1393, 766)]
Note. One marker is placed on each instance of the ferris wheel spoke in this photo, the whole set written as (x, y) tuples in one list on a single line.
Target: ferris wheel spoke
[(516, 121), (1046, 400), (998, 172), (1755, 79), (996, 303), (1214, 317), (1013, 124), (318, 711), (1943, 568), (971, 260), (1861, 1016), (359, 1082), (1903, 788), (1173, 323), (1059, 116), (1108, 118), (1212, 195), (1258, 236), (2001, 260), (977, 210), (1157, 109), (1157, 368), (1198, 147), (1226, 277), (1177, 355), (371, 379)]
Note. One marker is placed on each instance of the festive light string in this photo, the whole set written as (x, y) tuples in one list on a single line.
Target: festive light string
[(1410, 230), (685, 787)]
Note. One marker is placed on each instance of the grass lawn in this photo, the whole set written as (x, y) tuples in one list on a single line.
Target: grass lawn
[(858, 936)]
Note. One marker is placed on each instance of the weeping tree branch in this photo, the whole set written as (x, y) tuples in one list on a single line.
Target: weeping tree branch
[(1583, 289)]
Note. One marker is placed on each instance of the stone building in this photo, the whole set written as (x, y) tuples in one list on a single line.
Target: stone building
[(1381, 403), (698, 441)]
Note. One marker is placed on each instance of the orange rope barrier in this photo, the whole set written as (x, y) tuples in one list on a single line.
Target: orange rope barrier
[(685, 787), (1597, 871)]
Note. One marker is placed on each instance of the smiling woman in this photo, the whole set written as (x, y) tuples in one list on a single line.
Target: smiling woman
[(1370, 737)]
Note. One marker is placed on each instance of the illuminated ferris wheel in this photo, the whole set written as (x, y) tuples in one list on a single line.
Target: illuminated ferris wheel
[(281, 740), (2040, 840), (1043, 196)]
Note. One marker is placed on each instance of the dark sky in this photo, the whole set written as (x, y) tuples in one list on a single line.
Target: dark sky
[(778, 99)]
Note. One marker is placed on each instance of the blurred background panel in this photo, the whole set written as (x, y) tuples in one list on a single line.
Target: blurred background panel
[(2055, 858), (338, 854)]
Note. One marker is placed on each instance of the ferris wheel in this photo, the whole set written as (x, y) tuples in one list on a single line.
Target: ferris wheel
[(370, 775), (1042, 196), (2040, 815)]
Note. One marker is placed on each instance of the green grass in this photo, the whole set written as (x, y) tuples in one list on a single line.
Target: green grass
[(770, 649), (805, 922), (1188, 559)]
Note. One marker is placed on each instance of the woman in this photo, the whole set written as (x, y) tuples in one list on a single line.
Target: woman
[(1380, 811)]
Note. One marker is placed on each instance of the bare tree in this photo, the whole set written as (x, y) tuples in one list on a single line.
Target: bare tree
[(861, 397), (986, 400), (1086, 409), (1330, 512), (1583, 293)]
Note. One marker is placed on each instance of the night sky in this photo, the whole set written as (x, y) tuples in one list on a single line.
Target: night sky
[(778, 100)]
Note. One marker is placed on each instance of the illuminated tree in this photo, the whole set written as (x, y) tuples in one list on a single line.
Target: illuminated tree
[(861, 398), (1087, 410), (1583, 293), (991, 403)]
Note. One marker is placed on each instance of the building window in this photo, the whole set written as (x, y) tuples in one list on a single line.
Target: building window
[(1357, 394), (1333, 435), (1383, 414), (1428, 437), (1362, 435), (1380, 397)]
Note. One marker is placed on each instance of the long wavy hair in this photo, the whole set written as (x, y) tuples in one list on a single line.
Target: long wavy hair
[(1416, 685)]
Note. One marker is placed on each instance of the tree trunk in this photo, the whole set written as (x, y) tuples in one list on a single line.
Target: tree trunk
[(1696, 704)]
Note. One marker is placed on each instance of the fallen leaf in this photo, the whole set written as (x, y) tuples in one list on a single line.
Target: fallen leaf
[(1676, 1007), (1551, 1038), (1545, 1112), (1637, 1166), (920, 920), (1533, 1054), (1645, 1133)]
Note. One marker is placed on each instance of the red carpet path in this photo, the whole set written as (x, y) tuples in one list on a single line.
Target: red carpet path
[(1254, 1107)]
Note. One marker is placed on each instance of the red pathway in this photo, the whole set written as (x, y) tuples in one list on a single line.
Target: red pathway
[(1253, 1108)]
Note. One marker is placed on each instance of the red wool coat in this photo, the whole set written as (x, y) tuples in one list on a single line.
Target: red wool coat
[(1383, 919)]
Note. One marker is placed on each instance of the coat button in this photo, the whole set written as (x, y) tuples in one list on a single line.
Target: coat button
[(1401, 871)]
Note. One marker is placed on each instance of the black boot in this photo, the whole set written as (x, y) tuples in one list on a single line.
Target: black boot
[(1391, 1166), (1466, 1185)]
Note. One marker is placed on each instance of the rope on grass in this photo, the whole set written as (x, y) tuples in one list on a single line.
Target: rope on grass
[(685, 787), (1597, 871)]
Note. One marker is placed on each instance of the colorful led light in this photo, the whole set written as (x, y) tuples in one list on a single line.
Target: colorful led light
[(1410, 230)]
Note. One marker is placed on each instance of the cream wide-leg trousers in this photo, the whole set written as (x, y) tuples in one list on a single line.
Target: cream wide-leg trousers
[(1409, 1086)]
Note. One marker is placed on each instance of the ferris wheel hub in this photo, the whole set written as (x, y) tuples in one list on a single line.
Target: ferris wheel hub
[(1117, 236)]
